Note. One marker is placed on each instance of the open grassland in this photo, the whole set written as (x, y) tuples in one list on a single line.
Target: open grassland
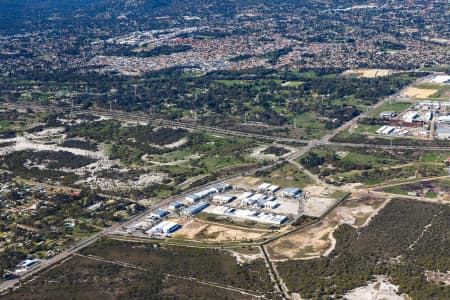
[(428, 189), (286, 175), (371, 166), (398, 107)]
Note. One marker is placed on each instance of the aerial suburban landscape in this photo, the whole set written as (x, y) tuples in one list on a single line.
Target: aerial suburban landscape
[(241, 149)]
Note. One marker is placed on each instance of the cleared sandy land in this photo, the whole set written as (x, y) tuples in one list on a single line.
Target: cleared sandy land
[(317, 206), (317, 201), (418, 93), (258, 152), (246, 182), (88, 171), (245, 258), (381, 289), (438, 277), (24, 143), (195, 230), (318, 240), (369, 73), (173, 145)]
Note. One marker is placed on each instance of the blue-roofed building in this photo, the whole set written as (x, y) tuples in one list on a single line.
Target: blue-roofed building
[(166, 227), (222, 187), (176, 205), (159, 213), (193, 198), (291, 192), (195, 209)]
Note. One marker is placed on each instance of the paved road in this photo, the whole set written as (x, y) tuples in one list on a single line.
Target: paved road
[(68, 252), (136, 117)]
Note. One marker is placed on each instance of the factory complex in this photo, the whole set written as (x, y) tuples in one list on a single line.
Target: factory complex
[(424, 119), (266, 204)]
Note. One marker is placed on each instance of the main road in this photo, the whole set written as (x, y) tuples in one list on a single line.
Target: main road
[(5, 285), (142, 118)]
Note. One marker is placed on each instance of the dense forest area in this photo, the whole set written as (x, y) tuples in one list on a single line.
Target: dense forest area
[(219, 98), (85, 278), (391, 244), (204, 264)]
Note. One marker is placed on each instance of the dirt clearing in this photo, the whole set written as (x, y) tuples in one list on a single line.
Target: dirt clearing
[(196, 230), (418, 93), (381, 289), (318, 240), (369, 73)]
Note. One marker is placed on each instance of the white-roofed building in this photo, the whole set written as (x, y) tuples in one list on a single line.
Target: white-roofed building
[(245, 195), (165, 227), (444, 119), (223, 198), (410, 116)]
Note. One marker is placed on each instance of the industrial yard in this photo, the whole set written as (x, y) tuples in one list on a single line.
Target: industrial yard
[(420, 111), (266, 206)]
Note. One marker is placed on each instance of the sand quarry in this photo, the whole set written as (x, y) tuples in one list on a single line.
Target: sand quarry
[(317, 239), (380, 289)]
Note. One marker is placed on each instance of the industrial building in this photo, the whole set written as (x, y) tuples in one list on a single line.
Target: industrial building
[(291, 192), (202, 194), (142, 225), (248, 214), (245, 195), (251, 199), (262, 206), (441, 79), (222, 187), (388, 114), (444, 119), (176, 205), (196, 208), (223, 198), (159, 214), (410, 116), (443, 131), (267, 187), (165, 227), (385, 130), (192, 198)]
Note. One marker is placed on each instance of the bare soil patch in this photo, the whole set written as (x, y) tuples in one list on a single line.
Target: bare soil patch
[(196, 230), (317, 240), (418, 93)]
